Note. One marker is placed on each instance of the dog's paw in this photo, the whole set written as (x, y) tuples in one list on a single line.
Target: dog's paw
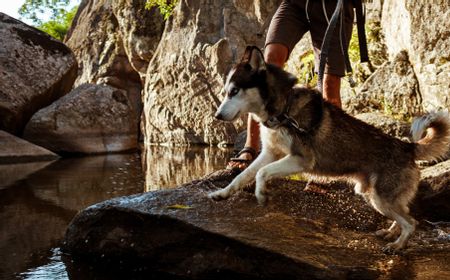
[(262, 197), (393, 248), (219, 195), (382, 233), (387, 234)]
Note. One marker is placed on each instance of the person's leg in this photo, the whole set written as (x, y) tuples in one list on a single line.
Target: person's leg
[(276, 54), (332, 89), (335, 66)]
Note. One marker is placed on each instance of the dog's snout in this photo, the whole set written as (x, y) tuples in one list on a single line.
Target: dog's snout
[(219, 116)]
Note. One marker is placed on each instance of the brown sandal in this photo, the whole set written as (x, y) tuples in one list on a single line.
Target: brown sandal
[(243, 161)]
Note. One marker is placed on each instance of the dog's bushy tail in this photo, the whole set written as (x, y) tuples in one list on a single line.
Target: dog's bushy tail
[(431, 133)]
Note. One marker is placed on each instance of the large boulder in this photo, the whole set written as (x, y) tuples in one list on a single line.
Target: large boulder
[(434, 192), (20, 158), (16, 150), (392, 89), (421, 28), (185, 77), (114, 42), (35, 70), (90, 119), (300, 234)]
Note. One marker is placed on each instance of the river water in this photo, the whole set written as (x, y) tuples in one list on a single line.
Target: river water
[(38, 200)]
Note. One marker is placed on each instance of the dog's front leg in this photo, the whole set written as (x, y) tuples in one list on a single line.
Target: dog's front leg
[(244, 178), (288, 165)]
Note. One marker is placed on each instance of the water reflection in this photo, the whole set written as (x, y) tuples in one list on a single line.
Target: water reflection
[(172, 166), (11, 173), (38, 200), (35, 211), (55, 269)]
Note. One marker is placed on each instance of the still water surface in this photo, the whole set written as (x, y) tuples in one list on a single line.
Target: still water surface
[(38, 200)]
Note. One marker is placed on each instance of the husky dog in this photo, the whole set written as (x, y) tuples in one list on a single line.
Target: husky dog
[(300, 132)]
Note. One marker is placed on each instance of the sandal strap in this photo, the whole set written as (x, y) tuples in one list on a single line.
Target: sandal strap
[(249, 150)]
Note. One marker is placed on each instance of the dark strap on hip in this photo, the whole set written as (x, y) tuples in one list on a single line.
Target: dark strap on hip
[(360, 21), (324, 50)]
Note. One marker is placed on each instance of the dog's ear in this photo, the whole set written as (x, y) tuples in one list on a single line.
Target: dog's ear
[(254, 57)]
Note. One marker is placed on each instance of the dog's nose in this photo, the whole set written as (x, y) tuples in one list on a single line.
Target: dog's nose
[(218, 116)]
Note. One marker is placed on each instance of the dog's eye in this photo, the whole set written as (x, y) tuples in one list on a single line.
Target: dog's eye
[(233, 92)]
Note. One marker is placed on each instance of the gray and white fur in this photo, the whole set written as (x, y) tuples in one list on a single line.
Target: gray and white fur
[(335, 144)]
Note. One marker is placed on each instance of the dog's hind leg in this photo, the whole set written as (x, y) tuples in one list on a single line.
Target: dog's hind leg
[(244, 178), (288, 165), (399, 214), (407, 225)]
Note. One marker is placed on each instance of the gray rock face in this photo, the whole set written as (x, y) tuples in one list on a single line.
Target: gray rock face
[(434, 192), (420, 28), (35, 70), (90, 119), (185, 78), (114, 42), (387, 124), (392, 89), (16, 150), (299, 235), (141, 30)]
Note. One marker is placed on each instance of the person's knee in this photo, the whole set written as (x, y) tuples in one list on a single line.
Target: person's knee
[(276, 54)]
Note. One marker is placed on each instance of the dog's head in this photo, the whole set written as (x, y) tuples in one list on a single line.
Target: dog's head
[(251, 85)]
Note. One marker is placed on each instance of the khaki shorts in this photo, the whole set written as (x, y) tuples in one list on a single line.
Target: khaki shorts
[(290, 23)]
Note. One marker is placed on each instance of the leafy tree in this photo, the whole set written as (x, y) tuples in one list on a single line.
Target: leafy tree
[(165, 6), (36, 9), (59, 17), (58, 27)]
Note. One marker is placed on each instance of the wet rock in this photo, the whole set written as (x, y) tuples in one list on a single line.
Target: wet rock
[(183, 233), (35, 70), (185, 78), (16, 150), (90, 119)]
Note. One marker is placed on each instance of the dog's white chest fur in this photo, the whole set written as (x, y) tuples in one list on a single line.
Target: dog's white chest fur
[(276, 140)]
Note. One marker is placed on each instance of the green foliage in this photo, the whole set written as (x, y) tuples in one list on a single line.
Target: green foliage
[(165, 6), (59, 26), (36, 9), (377, 55), (307, 75)]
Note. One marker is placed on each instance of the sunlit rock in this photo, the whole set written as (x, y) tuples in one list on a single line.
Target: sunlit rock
[(393, 89), (90, 119), (420, 28), (35, 70), (114, 41), (185, 78)]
